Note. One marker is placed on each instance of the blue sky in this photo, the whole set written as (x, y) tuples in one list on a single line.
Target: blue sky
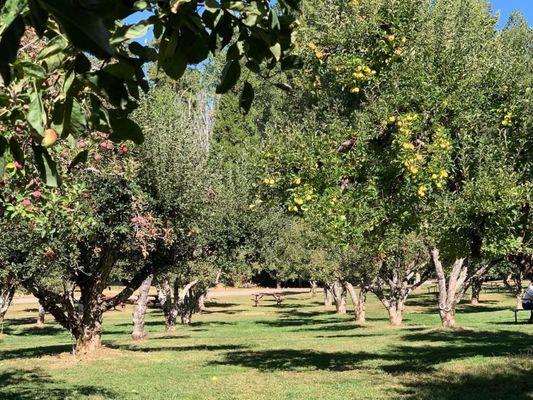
[(505, 7)]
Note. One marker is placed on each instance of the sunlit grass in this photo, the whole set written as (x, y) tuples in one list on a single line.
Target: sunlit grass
[(300, 350)]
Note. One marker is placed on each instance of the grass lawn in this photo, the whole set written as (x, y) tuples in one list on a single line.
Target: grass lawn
[(300, 350)]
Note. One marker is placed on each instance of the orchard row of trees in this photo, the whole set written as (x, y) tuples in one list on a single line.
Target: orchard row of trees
[(396, 147), (404, 147), (79, 207)]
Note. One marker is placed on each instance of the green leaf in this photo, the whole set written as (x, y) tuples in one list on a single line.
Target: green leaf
[(54, 52), (46, 166), (274, 21), (10, 11), (4, 146), (61, 117), (123, 128), (108, 85), (175, 5), (36, 114), (77, 118), (38, 16), (230, 76), (32, 70), (276, 51), (291, 62), (247, 97), (16, 151), (134, 31), (144, 52), (211, 5), (85, 29)]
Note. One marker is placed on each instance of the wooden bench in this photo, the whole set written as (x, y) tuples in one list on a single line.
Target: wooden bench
[(517, 310)]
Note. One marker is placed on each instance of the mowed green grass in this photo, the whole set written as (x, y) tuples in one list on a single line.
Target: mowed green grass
[(300, 350)]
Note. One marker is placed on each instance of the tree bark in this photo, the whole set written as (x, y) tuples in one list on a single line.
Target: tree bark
[(328, 296), (169, 307), (395, 310), (451, 292), (41, 316), (139, 313), (477, 284), (513, 282), (359, 302), (7, 291), (314, 288), (339, 296)]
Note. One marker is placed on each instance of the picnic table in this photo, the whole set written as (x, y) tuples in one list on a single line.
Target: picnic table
[(277, 294)]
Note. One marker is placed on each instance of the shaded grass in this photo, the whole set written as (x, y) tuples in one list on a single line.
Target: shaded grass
[(300, 350)]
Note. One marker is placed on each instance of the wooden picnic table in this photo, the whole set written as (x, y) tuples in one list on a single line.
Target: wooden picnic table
[(277, 294)]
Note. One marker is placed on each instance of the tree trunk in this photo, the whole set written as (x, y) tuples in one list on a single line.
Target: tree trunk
[(278, 285), (200, 307), (395, 313), (139, 313), (7, 291), (447, 317), (451, 292), (169, 307), (88, 338), (328, 296), (314, 288), (339, 295), (476, 290), (41, 316), (359, 302)]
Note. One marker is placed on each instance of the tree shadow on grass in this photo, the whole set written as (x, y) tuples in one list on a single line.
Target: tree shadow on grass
[(19, 321), (429, 350), (31, 352), (199, 347), (35, 384), (47, 330), (511, 384)]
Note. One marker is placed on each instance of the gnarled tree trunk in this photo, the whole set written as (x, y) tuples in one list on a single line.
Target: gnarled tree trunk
[(452, 291), (394, 289), (83, 317), (339, 296), (513, 282), (359, 302), (139, 313), (477, 285), (181, 302), (40, 316), (314, 288), (328, 295), (7, 291)]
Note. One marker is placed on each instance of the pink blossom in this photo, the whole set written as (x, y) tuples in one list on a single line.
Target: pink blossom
[(97, 157), (36, 194), (110, 146), (82, 144), (134, 220), (26, 202), (103, 145), (17, 165)]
